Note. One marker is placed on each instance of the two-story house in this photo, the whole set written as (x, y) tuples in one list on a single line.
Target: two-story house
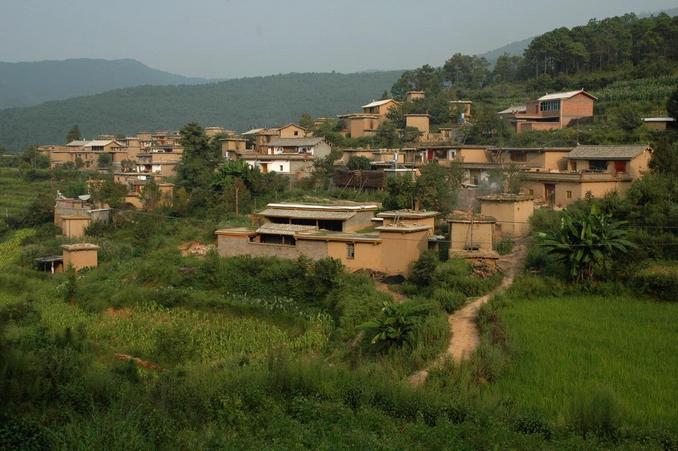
[(553, 111), (591, 171)]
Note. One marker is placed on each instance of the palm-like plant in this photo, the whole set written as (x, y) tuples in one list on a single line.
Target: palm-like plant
[(586, 240), (395, 325)]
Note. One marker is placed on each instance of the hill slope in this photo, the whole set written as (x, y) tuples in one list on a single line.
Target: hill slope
[(235, 104), (514, 48), (31, 83)]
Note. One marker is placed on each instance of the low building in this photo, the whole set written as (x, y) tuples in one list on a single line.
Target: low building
[(409, 218), (471, 232), (418, 121), (263, 136), (316, 147), (592, 171), (659, 123), (338, 217), (461, 110), (297, 166), (80, 256), (356, 125), (511, 211), (411, 96), (74, 226), (389, 249)]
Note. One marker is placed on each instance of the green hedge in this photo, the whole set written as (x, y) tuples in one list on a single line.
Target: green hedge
[(659, 280)]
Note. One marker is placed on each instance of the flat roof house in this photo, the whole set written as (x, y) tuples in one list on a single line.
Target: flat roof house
[(345, 217), (320, 231), (470, 232), (512, 212), (366, 123), (591, 171)]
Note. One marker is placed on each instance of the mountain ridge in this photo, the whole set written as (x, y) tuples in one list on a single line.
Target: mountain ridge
[(28, 83)]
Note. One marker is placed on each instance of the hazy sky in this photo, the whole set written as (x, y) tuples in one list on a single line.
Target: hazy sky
[(232, 38)]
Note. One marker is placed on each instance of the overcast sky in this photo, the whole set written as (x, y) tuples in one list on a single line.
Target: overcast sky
[(233, 38)]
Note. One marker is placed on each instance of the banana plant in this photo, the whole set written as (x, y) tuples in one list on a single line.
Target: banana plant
[(587, 241)]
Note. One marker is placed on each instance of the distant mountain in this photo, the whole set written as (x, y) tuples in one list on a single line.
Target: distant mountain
[(234, 104), (514, 48), (31, 83)]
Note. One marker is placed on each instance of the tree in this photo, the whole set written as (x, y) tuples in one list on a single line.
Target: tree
[(323, 168), (437, 186), (672, 104), (306, 121), (587, 240), (150, 195), (358, 163), (73, 134), (32, 158), (110, 193), (104, 161), (399, 193), (200, 158), (387, 135), (627, 118)]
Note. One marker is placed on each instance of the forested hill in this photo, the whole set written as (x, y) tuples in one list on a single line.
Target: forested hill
[(234, 104), (31, 83)]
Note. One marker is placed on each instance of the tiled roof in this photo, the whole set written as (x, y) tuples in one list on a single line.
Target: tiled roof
[(377, 103), (344, 205), (77, 142), (615, 152), (284, 229), (564, 95), (659, 119), (506, 197), (80, 247), (306, 214), (514, 109), (295, 142), (405, 214)]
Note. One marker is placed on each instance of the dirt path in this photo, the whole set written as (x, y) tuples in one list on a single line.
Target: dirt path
[(465, 335), (398, 298)]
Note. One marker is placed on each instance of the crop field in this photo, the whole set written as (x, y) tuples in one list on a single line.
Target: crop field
[(568, 348), (16, 194)]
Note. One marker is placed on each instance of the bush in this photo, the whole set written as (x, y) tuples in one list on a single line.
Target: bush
[(505, 246), (449, 300), (595, 412), (658, 280), (423, 269)]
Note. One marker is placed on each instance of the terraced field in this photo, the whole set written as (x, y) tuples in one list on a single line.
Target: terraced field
[(16, 193)]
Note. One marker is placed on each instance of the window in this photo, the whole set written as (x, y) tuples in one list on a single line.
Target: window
[(296, 133), (598, 165), (574, 165), (569, 194), (518, 155), (350, 251), (549, 105), (531, 192), (281, 168)]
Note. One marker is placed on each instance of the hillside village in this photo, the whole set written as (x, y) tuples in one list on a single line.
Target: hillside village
[(550, 177), (479, 258)]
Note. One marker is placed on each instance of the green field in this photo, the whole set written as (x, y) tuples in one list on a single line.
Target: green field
[(565, 348), (16, 194)]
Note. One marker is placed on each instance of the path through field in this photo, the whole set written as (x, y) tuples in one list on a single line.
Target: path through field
[(465, 336)]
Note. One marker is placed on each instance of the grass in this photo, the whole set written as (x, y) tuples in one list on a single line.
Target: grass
[(16, 194), (572, 346)]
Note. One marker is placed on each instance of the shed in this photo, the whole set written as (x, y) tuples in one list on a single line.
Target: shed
[(80, 255), (512, 212)]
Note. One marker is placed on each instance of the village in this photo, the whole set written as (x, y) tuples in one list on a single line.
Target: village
[(361, 235), (268, 226)]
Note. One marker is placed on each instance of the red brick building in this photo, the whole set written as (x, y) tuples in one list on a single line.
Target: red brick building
[(554, 111)]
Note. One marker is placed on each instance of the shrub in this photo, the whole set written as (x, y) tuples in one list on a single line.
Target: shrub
[(449, 300), (658, 280), (532, 287), (423, 269), (595, 412), (505, 246)]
